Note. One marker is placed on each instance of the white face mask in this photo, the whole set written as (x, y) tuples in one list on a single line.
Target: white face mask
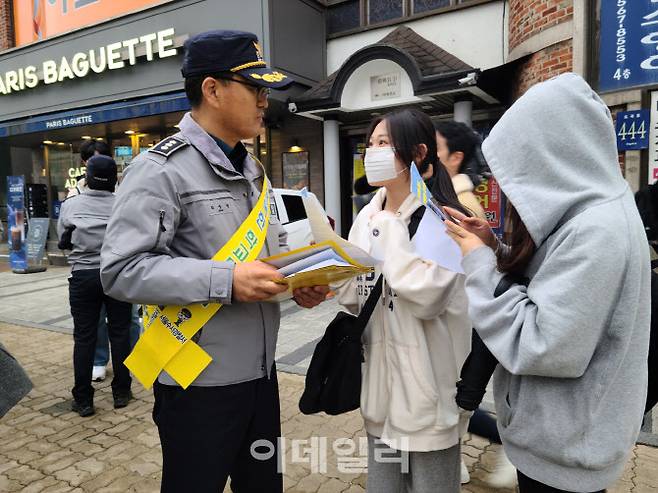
[(380, 164)]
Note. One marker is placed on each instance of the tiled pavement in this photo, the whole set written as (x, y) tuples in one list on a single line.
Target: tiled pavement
[(45, 447)]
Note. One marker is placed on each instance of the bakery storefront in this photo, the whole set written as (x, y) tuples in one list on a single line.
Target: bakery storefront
[(110, 70)]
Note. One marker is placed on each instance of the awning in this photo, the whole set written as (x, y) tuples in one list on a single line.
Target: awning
[(122, 110), (437, 78)]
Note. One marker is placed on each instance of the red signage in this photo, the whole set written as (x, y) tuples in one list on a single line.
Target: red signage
[(35, 20)]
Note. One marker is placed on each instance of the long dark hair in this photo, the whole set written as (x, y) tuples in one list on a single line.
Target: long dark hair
[(407, 130), (515, 260)]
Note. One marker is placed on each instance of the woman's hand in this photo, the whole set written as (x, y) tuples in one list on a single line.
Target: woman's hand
[(466, 240), (476, 226)]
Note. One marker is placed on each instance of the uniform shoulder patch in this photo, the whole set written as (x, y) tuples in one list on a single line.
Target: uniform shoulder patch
[(168, 146)]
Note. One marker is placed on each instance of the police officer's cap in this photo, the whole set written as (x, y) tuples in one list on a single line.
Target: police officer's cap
[(239, 52)]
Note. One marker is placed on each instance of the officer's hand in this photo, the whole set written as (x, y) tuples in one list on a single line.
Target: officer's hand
[(310, 297), (252, 281)]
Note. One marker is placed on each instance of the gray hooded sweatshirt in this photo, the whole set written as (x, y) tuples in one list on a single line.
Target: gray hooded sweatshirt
[(572, 346)]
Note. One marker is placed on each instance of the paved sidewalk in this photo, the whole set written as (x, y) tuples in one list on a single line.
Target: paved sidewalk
[(41, 300), (45, 447)]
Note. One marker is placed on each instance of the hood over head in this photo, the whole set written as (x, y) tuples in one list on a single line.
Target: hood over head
[(554, 154)]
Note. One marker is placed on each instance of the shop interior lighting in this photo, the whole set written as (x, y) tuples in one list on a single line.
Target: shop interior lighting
[(47, 142), (61, 143), (99, 138), (295, 147), (86, 137), (129, 132)]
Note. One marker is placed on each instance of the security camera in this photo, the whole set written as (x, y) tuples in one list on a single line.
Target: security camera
[(292, 107), (470, 79)]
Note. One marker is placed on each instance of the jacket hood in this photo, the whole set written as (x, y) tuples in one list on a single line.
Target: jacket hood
[(554, 154)]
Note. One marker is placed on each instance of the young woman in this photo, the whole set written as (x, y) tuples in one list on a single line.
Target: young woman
[(458, 149), (572, 344), (419, 333)]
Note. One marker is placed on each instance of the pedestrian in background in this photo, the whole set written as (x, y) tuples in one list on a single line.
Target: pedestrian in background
[(177, 206), (81, 228), (572, 345), (419, 333), (90, 148)]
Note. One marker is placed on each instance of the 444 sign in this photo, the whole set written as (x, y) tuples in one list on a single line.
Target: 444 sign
[(632, 130)]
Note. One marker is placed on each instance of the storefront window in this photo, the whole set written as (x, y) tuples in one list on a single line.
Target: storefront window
[(63, 169), (384, 10)]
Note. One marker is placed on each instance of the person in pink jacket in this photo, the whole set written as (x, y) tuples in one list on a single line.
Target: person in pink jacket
[(419, 334)]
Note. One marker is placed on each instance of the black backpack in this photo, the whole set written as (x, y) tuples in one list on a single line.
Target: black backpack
[(333, 379)]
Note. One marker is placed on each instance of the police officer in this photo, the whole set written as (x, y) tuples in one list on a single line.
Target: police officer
[(177, 205), (81, 228)]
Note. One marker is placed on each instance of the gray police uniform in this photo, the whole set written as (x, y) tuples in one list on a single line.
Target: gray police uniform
[(89, 212), (177, 206)]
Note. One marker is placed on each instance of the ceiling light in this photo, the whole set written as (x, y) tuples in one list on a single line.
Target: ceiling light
[(61, 144), (295, 147), (86, 137), (129, 132), (99, 138), (47, 142)]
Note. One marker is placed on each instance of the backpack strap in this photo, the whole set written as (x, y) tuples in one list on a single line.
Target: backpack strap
[(375, 294)]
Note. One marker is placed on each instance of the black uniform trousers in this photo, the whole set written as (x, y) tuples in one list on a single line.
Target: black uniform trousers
[(209, 434), (86, 298)]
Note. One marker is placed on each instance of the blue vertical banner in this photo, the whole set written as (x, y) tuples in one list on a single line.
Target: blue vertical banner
[(16, 222), (629, 44)]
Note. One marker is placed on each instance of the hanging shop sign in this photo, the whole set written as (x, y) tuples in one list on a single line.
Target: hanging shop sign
[(114, 56), (629, 44), (493, 202), (653, 139), (632, 130)]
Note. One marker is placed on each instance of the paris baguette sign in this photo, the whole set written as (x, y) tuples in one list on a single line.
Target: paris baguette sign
[(114, 56)]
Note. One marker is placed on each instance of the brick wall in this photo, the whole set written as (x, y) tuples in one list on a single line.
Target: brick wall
[(543, 65), (530, 17), (6, 25)]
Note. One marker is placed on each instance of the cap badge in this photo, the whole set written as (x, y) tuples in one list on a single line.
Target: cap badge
[(259, 51), (273, 77)]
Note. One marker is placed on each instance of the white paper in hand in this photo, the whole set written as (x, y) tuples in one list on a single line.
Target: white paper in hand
[(322, 231), (431, 242)]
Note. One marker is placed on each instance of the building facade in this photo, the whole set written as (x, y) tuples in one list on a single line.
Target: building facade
[(466, 60), (110, 70)]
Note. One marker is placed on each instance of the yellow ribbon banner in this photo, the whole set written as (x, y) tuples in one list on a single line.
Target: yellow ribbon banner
[(167, 340)]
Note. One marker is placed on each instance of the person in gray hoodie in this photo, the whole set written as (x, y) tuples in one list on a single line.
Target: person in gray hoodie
[(572, 344)]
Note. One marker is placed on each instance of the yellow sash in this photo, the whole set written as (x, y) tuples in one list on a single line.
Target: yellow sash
[(166, 343)]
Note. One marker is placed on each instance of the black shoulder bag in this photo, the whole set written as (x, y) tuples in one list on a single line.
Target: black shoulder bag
[(333, 379)]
